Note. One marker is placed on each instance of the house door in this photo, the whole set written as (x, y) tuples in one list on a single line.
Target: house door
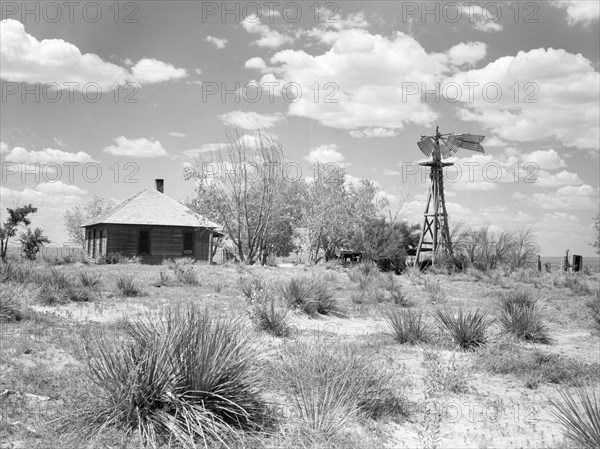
[(188, 243), (144, 242)]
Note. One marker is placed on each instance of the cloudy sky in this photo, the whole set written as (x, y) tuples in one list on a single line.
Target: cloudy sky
[(103, 100)]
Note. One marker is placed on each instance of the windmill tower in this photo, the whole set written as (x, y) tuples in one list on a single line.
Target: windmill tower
[(435, 234)]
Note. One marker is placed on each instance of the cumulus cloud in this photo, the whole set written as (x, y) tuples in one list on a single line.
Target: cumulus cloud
[(177, 134), (151, 71), (142, 148), (558, 97), (373, 132), (250, 119), (545, 159), (467, 53), (45, 156), (560, 179), (482, 19), (578, 11), (268, 37), (206, 148), (567, 197), (218, 42), (327, 154), (27, 59)]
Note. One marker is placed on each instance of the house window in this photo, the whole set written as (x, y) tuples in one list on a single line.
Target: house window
[(144, 242), (188, 243)]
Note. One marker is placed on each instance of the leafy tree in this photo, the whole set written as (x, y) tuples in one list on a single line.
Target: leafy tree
[(80, 215), (386, 242), (241, 189), (16, 217), (596, 243), (32, 241)]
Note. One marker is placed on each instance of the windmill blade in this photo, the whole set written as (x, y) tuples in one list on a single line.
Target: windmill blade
[(426, 145), (446, 149), (466, 141)]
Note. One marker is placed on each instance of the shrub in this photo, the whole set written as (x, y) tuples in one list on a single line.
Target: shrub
[(128, 286), (186, 377), (435, 292), (218, 285), (519, 316), (468, 330), (10, 303), (79, 294), (164, 279), (407, 326), (330, 384), (579, 415), (90, 279), (58, 279)]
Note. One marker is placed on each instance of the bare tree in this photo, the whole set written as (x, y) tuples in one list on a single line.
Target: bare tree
[(596, 243), (79, 215)]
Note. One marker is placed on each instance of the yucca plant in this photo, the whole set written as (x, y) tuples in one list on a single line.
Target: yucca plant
[(311, 295), (186, 274), (128, 286), (579, 415), (186, 377), (594, 306), (250, 285), (468, 330), (407, 326)]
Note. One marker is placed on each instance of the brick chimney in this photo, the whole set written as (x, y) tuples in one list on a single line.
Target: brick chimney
[(160, 185)]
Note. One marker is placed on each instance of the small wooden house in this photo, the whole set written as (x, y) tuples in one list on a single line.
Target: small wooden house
[(153, 226)]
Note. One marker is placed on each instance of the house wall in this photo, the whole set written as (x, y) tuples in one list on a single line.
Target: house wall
[(96, 240), (165, 242)]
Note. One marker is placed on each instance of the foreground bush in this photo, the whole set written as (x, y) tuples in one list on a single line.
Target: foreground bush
[(407, 326), (520, 316), (468, 330), (579, 415), (185, 378), (128, 286), (330, 384)]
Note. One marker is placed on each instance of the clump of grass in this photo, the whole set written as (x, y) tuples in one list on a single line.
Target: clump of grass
[(579, 415), (57, 279), (11, 308), (534, 366), (520, 316), (164, 279), (392, 286), (331, 384), (50, 295), (468, 330), (90, 279), (16, 272), (187, 275), (311, 295), (79, 294), (62, 259), (267, 313), (594, 306), (128, 286), (251, 285), (186, 378), (407, 326), (218, 285), (577, 284), (435, 292), (441, 377)]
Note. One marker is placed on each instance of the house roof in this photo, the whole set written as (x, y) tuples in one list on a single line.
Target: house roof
[(150, 207)]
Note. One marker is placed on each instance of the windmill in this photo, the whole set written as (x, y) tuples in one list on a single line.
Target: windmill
[(435, 234)]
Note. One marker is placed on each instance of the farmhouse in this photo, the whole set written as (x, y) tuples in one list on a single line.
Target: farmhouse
[(153, 226)]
